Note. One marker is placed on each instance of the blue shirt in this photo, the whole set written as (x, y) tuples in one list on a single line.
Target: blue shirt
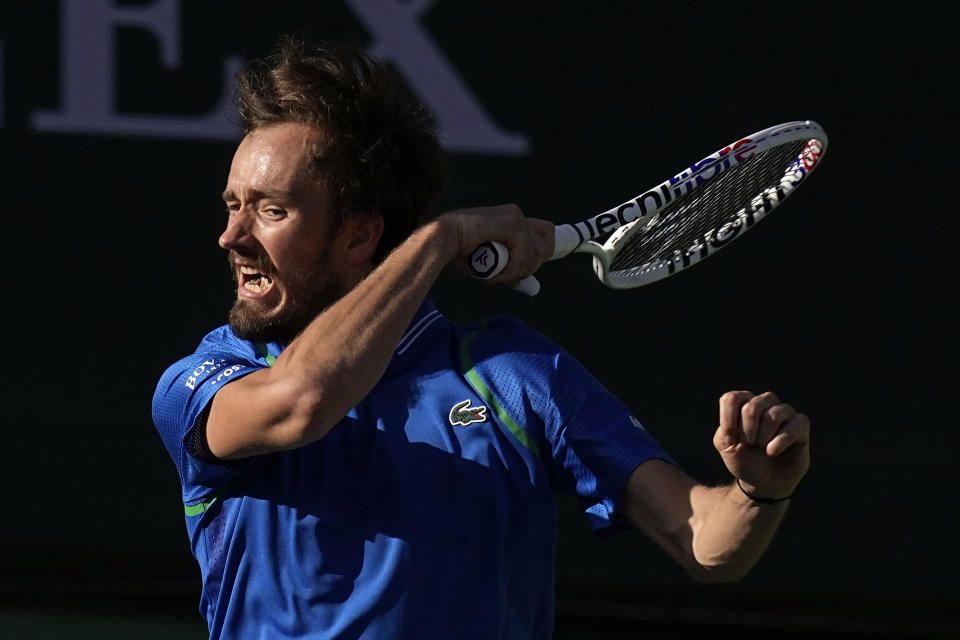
[(427, 512)]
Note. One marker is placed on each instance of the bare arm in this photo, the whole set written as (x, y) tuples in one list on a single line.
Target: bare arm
[(344, 351), (719, 533)]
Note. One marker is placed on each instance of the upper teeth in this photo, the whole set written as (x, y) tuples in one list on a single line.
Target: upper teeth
[(248, 271)]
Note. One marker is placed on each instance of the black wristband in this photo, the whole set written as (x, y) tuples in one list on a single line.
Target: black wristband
[(765, 500)]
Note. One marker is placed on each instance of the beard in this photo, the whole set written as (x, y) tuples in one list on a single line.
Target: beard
[(308, 290)]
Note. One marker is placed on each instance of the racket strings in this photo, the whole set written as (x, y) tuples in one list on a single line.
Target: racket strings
[(694, 217)]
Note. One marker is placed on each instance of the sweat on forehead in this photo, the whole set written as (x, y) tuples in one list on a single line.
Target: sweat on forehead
[(277, 159)]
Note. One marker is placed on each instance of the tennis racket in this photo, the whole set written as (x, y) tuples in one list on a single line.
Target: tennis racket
[(687, 217)]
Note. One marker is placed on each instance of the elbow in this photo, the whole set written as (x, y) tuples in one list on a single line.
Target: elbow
[(717, 567), (712, 560)]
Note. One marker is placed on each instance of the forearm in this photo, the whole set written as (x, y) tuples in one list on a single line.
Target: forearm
[(358, 334), (718, 533), (334, 362), (730, 531), (339, 357)]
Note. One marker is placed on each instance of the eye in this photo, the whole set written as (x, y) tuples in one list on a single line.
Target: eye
[(274, 213)]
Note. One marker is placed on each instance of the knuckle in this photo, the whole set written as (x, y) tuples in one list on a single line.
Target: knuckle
[(781, 411), (513, 209), (730, 397)]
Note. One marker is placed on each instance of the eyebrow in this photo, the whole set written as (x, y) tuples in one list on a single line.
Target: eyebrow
[(255, 194)]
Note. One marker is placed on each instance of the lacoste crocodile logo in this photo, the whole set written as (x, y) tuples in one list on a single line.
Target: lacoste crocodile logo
[(462, 413)]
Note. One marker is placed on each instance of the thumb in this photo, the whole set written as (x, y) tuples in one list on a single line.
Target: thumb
[(727, 436), (725, 440)]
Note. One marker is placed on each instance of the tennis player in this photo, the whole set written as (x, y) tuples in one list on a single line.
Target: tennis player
[(353, 464)]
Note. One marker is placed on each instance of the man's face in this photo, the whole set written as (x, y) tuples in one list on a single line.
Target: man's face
[(277, 235)]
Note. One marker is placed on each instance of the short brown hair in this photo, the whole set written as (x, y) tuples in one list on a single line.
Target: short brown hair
[(379, 153)]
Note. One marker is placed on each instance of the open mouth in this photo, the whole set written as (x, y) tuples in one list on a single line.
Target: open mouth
[(254, 281)]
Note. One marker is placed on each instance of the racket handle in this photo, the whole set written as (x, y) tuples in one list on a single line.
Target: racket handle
[(489, 259), (529, 286)]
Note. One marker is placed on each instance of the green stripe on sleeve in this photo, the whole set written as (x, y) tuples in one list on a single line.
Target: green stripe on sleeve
[(197, 509), (467, 363)]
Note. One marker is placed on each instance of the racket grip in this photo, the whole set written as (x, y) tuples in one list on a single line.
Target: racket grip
[(489, 259)]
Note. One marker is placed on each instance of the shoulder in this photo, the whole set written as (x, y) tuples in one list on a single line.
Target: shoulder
[(511, 353), (220, 357), (185, 390), (506, 334), (218, 345), (508, 352)]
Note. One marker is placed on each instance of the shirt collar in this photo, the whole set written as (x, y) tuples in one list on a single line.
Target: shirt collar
[(426, 316)]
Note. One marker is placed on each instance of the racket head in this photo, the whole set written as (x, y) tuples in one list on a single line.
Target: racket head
[(701, 209)]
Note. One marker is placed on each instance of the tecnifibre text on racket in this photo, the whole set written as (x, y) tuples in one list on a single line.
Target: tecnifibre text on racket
[(687, 217)]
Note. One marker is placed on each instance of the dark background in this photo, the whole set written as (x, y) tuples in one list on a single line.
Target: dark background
[(838, 302)]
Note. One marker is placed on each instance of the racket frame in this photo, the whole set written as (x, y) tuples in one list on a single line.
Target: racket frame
[(642, 212)]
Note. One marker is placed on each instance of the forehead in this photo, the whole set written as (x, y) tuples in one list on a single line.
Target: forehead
[(273, 158)]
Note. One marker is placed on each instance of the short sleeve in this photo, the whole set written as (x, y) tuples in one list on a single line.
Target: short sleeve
[(183, 394), (596, 442)]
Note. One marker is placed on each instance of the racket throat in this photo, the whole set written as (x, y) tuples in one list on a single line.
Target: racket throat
[(601, 259)]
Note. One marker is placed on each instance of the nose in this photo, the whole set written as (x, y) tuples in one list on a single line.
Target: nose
[(237, 233)]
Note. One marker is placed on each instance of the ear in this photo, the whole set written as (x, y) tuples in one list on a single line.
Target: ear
[(359, 238)]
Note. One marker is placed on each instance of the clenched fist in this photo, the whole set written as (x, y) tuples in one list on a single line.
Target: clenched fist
[(764, 443)]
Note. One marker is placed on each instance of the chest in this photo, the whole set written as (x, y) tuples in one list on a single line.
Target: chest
[(427, 448)]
